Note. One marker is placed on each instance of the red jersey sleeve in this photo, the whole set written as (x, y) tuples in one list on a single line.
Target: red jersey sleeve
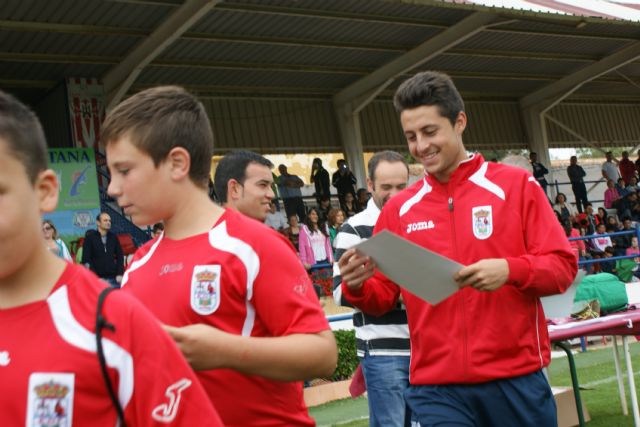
[(550, 265), (283, 296), (165, 389), (378, 295)]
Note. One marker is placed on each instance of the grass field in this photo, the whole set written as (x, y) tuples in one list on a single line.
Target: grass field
[(596, 372)]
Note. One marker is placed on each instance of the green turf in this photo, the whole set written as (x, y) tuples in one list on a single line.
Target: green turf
[(596, 371)]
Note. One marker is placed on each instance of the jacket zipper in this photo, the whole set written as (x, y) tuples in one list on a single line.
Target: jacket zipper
[(462, 308)]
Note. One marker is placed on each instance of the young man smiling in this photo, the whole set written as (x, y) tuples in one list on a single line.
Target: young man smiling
[(476, 357)]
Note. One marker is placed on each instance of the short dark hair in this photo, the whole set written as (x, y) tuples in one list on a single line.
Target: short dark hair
[(157, 226), (384, 156), (159, 119), (234, 166), (22, 132), (430, 88), (102, 213)]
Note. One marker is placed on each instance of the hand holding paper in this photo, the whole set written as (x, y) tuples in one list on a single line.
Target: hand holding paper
[(355, 268), (484, 275), (418, 270)]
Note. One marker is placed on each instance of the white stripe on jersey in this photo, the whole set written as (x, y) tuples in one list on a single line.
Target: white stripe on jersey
[(479, 179), (426, 188), (142, 261), (75, 334), (220, 239), (372, 332)]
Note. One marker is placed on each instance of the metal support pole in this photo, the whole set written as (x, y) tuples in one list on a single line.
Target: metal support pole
[(632, 382), (616, 359), (574, 381)]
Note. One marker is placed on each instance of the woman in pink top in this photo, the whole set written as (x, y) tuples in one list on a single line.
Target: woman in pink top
[(610, 195), (634, 249), (315, 248)]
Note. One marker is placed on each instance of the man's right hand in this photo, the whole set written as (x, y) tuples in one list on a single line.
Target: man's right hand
[(355, 268)]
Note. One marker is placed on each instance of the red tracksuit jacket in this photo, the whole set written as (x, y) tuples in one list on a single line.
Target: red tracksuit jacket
[(486, 210)]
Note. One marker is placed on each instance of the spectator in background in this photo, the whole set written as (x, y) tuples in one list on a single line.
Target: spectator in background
[(587, 220), (292, 232), (623, 242), (315, 248), (577, 246), (334, 222), (634, 249), (320, 178), (157, 230), (564, 208), (362, 197), (576, 176), (608, 266), (627, 168), (610, 168), (611, 195), (601, 216), (275, 219), (102, 253), (289, 188), (637, 163), (539, 171), (350, 206), (344, 180), (323, 208), (621, 186), (600, 243), (243, 182), (54, 244), (633, 184)]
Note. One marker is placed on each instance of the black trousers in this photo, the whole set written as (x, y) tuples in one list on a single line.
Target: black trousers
[(580, 193)]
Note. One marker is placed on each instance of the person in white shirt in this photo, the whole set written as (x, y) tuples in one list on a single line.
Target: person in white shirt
[(610, 168), (275, 218)]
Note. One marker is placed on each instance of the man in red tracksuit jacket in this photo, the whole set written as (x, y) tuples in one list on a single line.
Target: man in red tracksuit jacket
[(477, 356)]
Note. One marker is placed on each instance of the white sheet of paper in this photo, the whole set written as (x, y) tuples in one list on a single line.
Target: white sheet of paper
[(560, 305), (425, 274)]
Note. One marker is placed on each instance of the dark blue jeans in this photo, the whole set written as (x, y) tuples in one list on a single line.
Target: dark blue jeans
[(387, 378)]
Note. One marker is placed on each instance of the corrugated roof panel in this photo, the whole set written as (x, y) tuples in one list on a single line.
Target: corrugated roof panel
[(592, 29), (496, 86), (53, 72), (273, 126), (615, 10), (366, 7), (216, 78), (500, 40), (306, 27), (87, 12), (603, 123), (523, 66), (193, 50), (71, 44)]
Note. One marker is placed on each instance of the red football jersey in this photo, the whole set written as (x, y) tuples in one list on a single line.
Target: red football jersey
[(50, 373), (243, 278)]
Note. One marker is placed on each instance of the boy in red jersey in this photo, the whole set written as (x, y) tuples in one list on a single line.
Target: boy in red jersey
[(49, 370), (239, 303), (476, 357)]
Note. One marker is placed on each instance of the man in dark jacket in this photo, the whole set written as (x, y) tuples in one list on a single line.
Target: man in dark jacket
[(320, 178), (344, 180), (102, 253), (576, 175)]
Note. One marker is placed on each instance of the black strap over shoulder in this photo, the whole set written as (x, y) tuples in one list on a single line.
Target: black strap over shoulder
[(102, 323)]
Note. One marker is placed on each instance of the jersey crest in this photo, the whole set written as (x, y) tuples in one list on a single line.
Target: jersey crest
[(205, 289), (482, 220), (50, 400)]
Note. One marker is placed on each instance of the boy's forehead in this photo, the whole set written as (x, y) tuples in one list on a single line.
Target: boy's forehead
[(122, 149)]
